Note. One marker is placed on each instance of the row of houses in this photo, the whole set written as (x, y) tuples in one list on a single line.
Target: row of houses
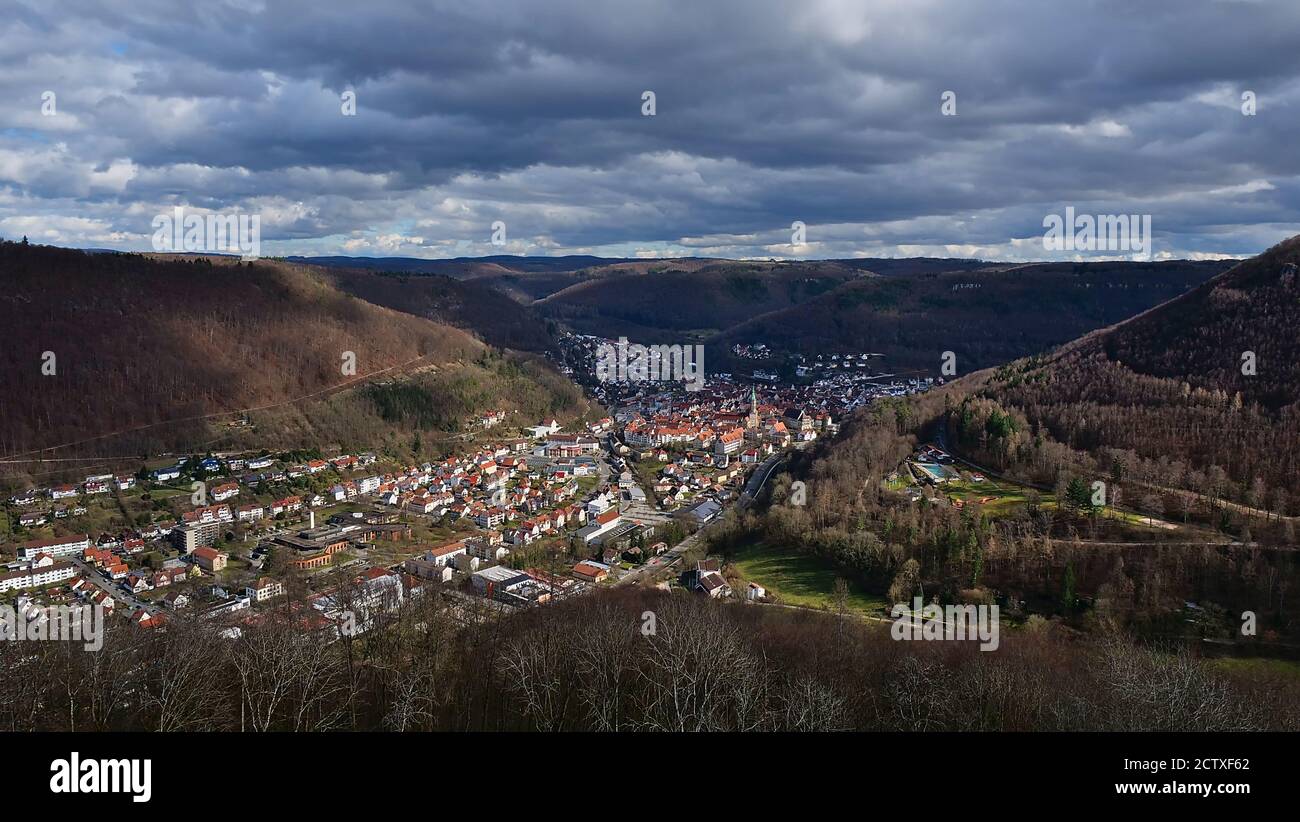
[(93, 485)]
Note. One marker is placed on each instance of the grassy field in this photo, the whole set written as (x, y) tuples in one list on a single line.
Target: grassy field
[(164, 492), (1140, 519), (1002, 497), (796, 579), (899, 481)]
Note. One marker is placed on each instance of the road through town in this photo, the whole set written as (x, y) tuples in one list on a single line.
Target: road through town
[(672, 557)]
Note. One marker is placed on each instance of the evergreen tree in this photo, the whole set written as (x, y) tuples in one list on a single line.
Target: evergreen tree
[(1068, 596), (1078, 496)]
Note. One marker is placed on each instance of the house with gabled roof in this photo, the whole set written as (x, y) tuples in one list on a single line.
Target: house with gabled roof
[(176, 600), (589, 571)]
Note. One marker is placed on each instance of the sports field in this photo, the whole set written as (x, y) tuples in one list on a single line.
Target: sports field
[(798, 579)]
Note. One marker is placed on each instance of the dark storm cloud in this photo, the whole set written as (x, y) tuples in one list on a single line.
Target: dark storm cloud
[(825, 112)]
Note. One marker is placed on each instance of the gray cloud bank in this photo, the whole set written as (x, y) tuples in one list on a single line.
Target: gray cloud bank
[(825, 112)]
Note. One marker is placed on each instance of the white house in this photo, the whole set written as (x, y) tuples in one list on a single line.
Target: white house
[(265, 588)]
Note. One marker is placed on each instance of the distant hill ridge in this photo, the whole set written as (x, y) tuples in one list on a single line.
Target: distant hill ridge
[(985, 316), (910, 309)]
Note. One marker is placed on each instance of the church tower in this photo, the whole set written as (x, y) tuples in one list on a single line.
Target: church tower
[(752, 422)]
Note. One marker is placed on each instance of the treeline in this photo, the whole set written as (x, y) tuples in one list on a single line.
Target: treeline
[(616, 661)]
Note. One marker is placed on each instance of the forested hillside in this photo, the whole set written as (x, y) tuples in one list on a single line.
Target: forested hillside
[(467, 304), (986, 317), (1154, 415), (910, 310), (682, 301), (1202, 393), (122, 354), (1040, 558)]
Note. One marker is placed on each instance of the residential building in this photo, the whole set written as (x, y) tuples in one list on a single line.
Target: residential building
[(210, 559), (57, 547), (265, 588), (38, 575), (197, 535)]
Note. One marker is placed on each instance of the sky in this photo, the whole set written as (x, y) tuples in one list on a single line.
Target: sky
[(887, 129)]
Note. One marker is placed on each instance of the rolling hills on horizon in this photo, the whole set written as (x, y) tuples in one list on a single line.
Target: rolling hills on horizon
[(239, 335), (525, 264), (909, 309)]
